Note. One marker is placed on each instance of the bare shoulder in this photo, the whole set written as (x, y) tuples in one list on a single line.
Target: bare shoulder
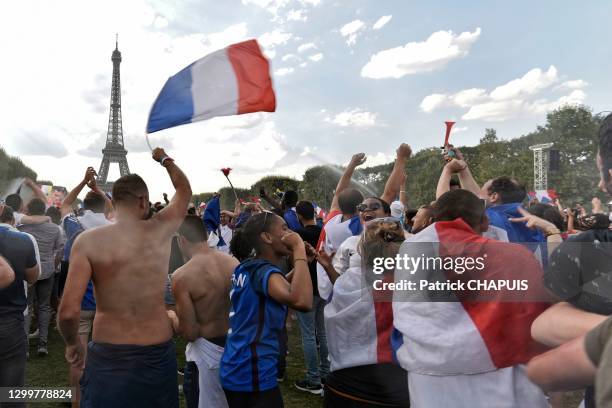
[(91, 236), (225, 258), (185, 273)]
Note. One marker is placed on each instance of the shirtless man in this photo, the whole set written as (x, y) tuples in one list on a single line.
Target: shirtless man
[(201, 289), (131, 360)]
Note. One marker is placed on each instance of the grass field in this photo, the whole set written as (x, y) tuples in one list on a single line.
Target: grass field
[(52, 370)]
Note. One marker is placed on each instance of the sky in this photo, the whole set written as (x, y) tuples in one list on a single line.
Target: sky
[(350, 76)]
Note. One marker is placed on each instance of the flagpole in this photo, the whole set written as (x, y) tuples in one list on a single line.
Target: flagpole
[(232, 186)]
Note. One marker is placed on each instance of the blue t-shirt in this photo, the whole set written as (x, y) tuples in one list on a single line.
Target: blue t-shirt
[(73, 228), (292, 220), (250, 358), (18, 249), (532, 239)]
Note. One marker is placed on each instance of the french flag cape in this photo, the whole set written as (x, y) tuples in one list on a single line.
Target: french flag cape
[(230, 81), (468, 348), (334, 233)]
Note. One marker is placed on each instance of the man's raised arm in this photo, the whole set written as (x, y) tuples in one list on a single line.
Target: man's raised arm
[(345, 181), (38, 193), (68, 202), (174, 213), (450, 168), (465, 176), (394, 182)]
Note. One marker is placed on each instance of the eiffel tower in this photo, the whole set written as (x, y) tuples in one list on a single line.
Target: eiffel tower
[(114, 151)]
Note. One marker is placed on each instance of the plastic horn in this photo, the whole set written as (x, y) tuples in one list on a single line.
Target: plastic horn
[(449, 125)]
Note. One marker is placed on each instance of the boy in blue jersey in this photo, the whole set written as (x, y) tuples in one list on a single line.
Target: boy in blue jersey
[(260, 295)]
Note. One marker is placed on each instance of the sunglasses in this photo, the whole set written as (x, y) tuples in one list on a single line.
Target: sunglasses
[(372, 207)]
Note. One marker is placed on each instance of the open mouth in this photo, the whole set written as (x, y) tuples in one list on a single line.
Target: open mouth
[(368, 217)]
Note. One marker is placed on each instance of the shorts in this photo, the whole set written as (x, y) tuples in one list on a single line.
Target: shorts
[(130, 376), (86, 322)]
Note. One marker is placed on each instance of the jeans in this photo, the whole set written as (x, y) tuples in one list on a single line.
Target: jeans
[(313, 328), (12, 355), (191, 386), (42, 291)]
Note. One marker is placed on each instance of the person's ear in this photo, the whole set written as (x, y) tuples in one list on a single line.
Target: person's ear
[(266, 237)]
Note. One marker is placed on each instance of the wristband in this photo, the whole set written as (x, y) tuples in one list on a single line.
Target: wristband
[(163, 159), (300, 259)]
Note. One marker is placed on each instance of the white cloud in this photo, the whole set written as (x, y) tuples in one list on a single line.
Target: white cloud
[(310, 2), (303, 64), (576, 97), (297, 15), (575, 84), (272, 6), (379, 158), (381, 22), (463, 99), (531, 83), (288, 57), (469, 97), (434, 53), (351, 31), (283, 71), (495, 110), (273, 38), (432, 102), (513, 99), (38, 143), (306, 47), (308, 150), (270, 40), (160, 22), (316, 57), (354, 118)]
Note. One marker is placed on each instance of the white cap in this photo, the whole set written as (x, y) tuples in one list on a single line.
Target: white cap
[(397, 209)]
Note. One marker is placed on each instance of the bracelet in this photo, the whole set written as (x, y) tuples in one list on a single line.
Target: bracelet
[(553, 232), (300, 259), (163, 159)]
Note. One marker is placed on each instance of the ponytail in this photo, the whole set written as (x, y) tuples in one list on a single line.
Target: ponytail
[(240, 246), (246, 242)]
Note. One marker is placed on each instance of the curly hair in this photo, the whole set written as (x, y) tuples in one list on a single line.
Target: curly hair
[(382, 238)]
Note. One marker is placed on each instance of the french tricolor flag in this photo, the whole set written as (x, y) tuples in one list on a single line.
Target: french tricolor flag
[(477, 339), (230, 81)]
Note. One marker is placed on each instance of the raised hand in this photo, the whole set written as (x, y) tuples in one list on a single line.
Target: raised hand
[(292, 241), (325, 259), (158, 154), (90, 174), (535, 222), (311, 253), (404, 151), (455, 166), (357, 160)]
